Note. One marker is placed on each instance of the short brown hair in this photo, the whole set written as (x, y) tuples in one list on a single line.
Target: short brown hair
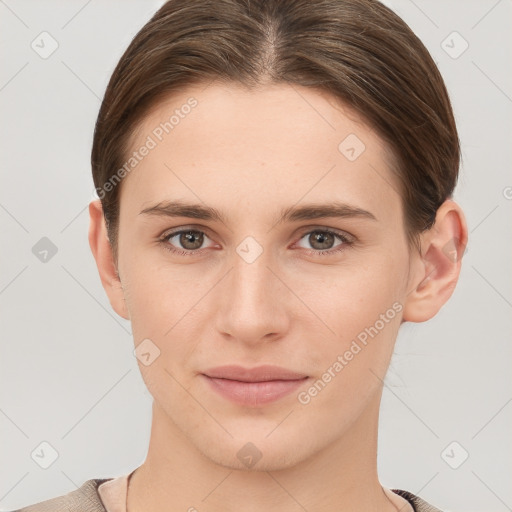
[(359, 51)]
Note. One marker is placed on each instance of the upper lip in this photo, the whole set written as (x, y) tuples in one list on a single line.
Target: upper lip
[(258, 374)]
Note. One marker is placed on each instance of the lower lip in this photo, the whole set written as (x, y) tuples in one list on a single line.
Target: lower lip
[(254, 393)]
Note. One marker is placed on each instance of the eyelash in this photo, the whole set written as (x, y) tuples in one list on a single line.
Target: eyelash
[(346, 242)]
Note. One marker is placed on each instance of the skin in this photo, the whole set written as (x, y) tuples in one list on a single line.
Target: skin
[(250, 154)]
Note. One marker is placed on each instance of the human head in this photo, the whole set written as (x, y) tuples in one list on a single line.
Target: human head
[(273, 93)]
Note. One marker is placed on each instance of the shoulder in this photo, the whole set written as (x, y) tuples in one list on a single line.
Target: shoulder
[(83, 499), (419, 504)]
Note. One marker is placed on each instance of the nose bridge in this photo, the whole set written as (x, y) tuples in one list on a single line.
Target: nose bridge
[(252, 304), (250, 277)]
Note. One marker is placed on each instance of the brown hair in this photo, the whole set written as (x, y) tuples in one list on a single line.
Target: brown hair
[(359, 51)]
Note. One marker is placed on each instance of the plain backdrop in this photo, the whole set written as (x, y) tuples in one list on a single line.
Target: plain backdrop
[(68, 374)]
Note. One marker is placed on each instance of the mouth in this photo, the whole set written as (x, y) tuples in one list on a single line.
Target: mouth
[(253, 386)]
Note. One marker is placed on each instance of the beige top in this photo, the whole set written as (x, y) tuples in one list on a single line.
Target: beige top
[(114, 493)]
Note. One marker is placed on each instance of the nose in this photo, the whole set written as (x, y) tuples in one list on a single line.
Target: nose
[(253, 302)]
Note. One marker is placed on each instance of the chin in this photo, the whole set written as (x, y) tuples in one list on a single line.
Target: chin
[(268, 459), (253, 451)]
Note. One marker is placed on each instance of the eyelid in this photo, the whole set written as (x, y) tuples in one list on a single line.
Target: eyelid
[(169, 233), (347, 239), (179, 229), (311, 229), (304, 230)]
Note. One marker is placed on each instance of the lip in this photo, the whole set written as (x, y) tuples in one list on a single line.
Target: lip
[(258, 374), (253, 386)]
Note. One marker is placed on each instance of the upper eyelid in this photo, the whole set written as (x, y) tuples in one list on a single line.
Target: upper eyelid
[(173, 232), (307, 229)]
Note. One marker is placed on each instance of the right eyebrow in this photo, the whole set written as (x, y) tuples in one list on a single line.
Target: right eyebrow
[(182, 209)]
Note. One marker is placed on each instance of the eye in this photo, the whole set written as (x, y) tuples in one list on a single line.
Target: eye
[(190, 240), (322, 241)]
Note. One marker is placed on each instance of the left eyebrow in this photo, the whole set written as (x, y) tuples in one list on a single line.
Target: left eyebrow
[(290, 214), (322, 210)]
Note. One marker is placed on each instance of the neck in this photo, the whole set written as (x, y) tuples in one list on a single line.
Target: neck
[(177, 477)]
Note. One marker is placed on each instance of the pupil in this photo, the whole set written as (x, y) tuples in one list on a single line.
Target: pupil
[(323, 239), (191, 238)]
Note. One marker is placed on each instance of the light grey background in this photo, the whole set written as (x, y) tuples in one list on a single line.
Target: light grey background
[(68, 374)]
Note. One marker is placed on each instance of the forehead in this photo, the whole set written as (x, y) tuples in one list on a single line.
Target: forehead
[(273, 144)]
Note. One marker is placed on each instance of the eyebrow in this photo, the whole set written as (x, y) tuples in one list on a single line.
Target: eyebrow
[(290, 214)]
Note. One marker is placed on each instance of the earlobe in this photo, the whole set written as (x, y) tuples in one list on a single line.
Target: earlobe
[(102, 252), (437, 268)]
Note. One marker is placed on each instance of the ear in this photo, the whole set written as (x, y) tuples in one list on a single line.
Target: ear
[(102, 252), (436, 269)]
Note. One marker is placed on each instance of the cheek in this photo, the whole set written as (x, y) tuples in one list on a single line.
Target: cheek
[(167, 305), (351, 298), (364, 311), (164, 327), (154, 288), (362, 308)]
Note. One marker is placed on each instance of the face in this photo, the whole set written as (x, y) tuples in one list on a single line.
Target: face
[(292, 253)]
